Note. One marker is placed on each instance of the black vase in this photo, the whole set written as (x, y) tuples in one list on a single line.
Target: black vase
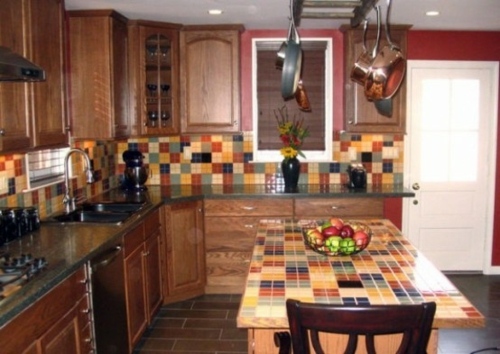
[(291, 170)]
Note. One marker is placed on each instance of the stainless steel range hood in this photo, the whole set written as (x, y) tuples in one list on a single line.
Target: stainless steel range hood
[(14, 67)]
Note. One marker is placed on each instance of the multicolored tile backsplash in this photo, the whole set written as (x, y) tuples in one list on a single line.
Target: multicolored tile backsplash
[(214, 159)]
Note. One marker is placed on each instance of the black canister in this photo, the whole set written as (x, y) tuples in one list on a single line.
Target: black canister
[(33, 219), (9, 226), (357, 176), (21, 216)]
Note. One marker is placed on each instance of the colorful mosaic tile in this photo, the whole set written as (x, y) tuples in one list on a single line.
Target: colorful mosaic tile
[(389, 271)]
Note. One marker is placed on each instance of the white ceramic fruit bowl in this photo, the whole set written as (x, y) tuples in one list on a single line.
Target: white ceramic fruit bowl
[(336, 237)]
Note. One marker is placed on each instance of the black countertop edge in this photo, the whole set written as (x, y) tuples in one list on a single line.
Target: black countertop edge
[(186, 192)]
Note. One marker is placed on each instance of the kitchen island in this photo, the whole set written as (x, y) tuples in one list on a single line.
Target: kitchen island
[(389, 271)]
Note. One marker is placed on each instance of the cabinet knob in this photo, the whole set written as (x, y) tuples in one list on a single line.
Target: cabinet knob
[(67, 128), (2, 132), (248, 208)]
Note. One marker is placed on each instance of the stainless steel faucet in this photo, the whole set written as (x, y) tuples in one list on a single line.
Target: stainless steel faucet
[(68, 200)]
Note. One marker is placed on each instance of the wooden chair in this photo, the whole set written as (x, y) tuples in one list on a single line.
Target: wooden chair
[(413, 321)]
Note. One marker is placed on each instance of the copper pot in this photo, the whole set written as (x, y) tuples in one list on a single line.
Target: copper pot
[(361, 67), (387, 70)]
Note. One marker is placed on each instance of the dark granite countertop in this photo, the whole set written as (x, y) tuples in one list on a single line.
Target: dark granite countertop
[(69, 246)]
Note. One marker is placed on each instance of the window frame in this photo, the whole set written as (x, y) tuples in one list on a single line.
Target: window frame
[(311, 155)]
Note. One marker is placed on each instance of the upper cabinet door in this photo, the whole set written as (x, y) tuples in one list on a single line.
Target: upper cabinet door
[(210, 79), (47, 23), (15, 113), (154, 75), (361, 115), (98, 48)]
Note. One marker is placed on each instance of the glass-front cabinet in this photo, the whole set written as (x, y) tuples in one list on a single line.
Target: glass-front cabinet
[(155, 76)]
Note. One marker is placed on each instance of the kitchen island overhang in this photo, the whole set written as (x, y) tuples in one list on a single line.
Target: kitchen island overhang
[(390, 271)]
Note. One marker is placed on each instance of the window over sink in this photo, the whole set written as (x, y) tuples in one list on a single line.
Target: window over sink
[(266, 90)]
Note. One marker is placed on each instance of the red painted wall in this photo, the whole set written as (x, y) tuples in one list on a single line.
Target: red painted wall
[(448, 45)]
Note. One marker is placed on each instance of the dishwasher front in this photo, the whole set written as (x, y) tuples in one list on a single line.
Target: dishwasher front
[(108, 301)]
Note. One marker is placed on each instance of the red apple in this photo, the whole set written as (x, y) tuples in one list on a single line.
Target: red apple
[(330, 231), (361, 238), (337, 222), (346, 231)]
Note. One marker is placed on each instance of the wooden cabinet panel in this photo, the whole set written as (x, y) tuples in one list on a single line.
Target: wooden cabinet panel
[(210, 79), (153, 268), (33, 114), (47, 37), (229, 246), (361, 115), (55, 323), (142, 276), (15, 116), (184, 251), (154, 77), (98, 74), (230, 229), (307, 208), (136, 297), (249, 207)]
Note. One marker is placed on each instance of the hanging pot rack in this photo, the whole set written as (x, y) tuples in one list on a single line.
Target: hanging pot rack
[(360, 10)]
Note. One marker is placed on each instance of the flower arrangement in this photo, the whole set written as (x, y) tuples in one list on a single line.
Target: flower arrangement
[(292, 133)]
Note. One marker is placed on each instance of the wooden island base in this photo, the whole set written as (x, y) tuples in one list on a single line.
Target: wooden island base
[(262, 341)]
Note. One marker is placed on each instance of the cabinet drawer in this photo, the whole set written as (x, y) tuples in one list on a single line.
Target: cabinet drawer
[(346, 207), (231, 233), (249, 207)]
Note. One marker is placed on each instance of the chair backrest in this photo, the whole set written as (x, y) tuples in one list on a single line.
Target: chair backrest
[(413, 321)]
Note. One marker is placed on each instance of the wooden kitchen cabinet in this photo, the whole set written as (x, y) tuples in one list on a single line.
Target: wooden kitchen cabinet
[(230, 229), (360, 115), (33, 114), (48, 45), (142, 276), (210, 79), (154, 77), (98, 56), (355, 208), (184, 251), (59, 322)]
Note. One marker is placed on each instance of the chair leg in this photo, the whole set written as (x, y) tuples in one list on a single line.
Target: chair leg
[(283, 341)]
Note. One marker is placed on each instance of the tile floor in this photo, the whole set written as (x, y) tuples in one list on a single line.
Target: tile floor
[(208, 324)]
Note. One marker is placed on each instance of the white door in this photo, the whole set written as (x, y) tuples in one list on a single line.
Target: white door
[(450, 154)]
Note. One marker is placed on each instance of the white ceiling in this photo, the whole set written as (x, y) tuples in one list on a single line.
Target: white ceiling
[(274, 14)]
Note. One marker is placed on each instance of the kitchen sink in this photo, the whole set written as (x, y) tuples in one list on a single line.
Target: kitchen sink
[(112, 207), (100, 212)]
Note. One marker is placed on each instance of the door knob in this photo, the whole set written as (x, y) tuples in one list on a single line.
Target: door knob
[(415, 186)]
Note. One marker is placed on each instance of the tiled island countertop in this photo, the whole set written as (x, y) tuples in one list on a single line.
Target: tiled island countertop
[(389, 271)]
